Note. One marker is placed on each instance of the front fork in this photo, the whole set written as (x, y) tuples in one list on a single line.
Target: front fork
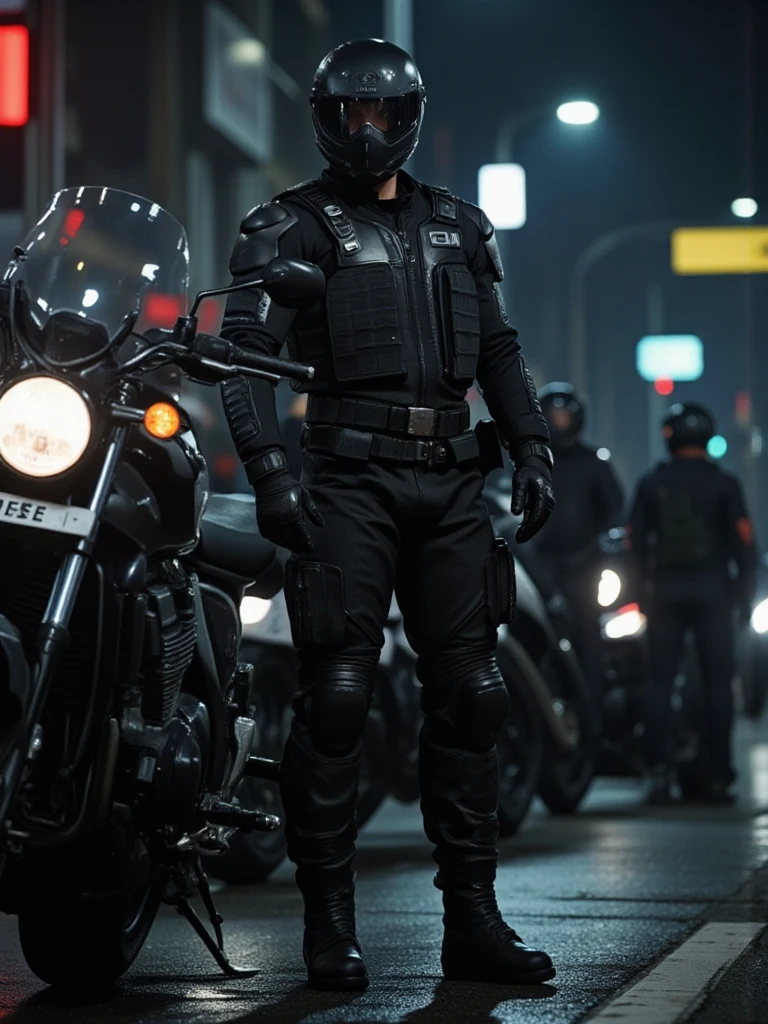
[(53, 634)]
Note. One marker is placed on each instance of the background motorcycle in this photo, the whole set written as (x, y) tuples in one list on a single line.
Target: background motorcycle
[(536, 644), (119, 592)]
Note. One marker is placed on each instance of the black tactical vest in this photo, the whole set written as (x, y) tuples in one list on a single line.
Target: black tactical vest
[(370, 300)]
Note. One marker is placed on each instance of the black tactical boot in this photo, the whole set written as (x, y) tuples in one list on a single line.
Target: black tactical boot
[(331, 951), (479, 946)]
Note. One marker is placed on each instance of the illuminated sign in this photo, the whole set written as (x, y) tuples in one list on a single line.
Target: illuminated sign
[(734, 250), (670, 357)]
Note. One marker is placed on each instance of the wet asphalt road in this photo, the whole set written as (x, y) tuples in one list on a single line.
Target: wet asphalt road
[(608, 893)]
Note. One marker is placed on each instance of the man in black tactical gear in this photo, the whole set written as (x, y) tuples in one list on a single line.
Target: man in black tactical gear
[(688, 522), (564, 557), (412, 315)]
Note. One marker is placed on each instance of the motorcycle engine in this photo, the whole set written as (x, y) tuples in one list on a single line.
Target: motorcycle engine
[(169, 643)]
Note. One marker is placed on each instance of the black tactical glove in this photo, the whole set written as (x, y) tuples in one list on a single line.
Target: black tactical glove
[(532, 495), (281, 502)]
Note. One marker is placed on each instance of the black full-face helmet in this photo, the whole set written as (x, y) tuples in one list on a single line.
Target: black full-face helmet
[(565, 412), (688, 426), (367, 107)]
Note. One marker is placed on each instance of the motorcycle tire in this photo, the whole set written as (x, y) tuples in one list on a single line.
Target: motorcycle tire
[(519, 746), (566, 777), (105, 942), (253, 856)]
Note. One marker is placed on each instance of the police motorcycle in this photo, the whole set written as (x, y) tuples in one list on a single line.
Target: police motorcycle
[(125, 723), (537, 641)]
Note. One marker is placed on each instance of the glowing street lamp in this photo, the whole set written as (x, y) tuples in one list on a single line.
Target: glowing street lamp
[(744, 207), (578, 112)]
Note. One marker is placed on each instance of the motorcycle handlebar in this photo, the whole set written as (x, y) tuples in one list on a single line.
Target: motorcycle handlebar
[(223, 351)]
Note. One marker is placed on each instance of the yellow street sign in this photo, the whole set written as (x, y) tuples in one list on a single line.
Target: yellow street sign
[(737, 250)]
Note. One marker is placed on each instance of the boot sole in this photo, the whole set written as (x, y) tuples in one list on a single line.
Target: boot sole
[(338, 984), (532, 978)]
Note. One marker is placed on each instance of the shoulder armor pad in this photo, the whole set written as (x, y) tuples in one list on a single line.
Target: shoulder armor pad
[(264, 216), (488, 235), (303, 186), (259, 238)]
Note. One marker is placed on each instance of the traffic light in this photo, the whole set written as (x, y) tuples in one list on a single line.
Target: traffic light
[(14, 75), (14, 111)]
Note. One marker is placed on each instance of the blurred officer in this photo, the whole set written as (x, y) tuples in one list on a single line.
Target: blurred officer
[(590, 502), (688, 524)]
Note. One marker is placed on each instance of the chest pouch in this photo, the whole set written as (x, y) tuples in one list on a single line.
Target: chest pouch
[(460, 319), (364, 323)]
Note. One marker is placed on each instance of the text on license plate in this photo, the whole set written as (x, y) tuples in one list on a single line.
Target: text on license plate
[(45, 515)]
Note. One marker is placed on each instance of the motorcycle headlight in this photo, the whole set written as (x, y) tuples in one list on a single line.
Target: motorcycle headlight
[(760, 617), (45, 426), (609, 588), (253, 610), (627, 621)]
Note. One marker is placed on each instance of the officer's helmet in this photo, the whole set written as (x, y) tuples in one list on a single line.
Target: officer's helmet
[(565, 411), (688, 426), (367, 104)]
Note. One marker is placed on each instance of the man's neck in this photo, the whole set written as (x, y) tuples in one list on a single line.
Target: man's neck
[(387, 189)]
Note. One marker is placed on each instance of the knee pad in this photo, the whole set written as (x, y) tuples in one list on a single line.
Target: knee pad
[(482, 709), (337, 705)]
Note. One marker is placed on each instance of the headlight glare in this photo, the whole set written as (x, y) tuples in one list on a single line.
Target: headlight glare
[(45, 426), (609, 588), (253, 610), (760, 617), (627, 621)]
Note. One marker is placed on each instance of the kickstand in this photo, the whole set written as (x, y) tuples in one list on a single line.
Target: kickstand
[(215, 948)]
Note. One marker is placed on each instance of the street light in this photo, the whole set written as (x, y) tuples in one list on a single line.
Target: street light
[(744, 207), (578, 112)]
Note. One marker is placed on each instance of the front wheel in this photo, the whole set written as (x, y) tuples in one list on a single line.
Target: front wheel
[(519, 744), (82, 945), (566, 777)]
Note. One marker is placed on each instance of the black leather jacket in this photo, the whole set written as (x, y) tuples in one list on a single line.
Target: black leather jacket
[(412, 313)]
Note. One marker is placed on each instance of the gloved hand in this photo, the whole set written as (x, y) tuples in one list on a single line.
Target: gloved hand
[(532, 495), (281, 502)]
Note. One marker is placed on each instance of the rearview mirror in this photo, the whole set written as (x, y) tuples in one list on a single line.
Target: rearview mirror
[(293, 283)]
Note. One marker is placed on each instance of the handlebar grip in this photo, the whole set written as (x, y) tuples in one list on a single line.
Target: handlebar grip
[(223, 351), (272, 364)]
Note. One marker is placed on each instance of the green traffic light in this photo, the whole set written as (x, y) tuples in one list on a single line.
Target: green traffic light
[(717, 447)]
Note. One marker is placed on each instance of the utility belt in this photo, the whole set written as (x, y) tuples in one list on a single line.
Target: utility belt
[(357, 444), (410, 421), (433, 445)]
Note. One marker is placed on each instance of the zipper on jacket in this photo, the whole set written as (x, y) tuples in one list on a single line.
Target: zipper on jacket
[(413, 320)]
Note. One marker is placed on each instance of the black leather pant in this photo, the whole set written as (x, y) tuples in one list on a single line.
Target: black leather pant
[(424, 532)]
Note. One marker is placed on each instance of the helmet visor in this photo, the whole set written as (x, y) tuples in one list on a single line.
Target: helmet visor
[(394, 116)]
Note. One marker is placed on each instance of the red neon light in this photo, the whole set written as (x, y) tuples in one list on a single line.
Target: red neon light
[(664, 387), (627, 608), (73, 222), (161, 310), (14, 75)]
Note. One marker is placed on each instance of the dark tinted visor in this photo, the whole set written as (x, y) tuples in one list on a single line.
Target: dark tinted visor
[(393, 117)]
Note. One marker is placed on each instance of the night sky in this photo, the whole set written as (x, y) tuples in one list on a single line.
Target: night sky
[(683, 88)]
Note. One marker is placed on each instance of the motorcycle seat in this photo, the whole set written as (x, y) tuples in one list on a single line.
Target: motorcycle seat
[(230, 544)]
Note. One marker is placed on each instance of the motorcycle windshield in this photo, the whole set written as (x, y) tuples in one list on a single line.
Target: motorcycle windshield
[(99, 264)]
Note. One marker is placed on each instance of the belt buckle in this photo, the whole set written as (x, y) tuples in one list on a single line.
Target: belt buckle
[(421, 422), (431, 452)]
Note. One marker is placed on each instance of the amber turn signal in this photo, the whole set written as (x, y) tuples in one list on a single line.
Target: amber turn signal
[(162, 420)]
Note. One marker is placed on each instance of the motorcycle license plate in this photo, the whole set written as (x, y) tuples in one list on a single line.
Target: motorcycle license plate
[(45, 515)]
